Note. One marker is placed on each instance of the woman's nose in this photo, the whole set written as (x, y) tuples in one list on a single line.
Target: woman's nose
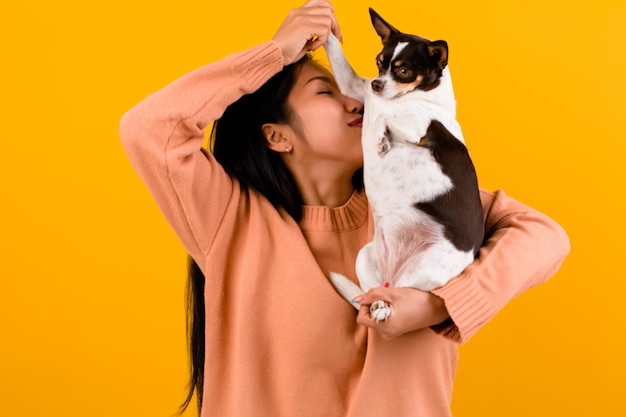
[(354, 106)]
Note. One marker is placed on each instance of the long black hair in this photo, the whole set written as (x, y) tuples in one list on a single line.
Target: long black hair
[(238, 144)]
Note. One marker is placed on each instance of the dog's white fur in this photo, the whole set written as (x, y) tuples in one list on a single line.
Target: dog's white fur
[(409, 248)]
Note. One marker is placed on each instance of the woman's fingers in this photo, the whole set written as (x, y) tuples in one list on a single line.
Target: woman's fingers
[(305, 29), (334, 24), (411, 310)]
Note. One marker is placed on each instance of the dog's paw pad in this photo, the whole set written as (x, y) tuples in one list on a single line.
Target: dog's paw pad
[(380, 311), (383, 146)]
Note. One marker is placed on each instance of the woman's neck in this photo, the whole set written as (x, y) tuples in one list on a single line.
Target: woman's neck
[(323, 185), (330, 195)]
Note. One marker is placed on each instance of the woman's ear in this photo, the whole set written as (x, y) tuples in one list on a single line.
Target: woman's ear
[(276, 137)]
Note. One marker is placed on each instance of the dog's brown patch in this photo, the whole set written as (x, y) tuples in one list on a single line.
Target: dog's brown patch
[(460, 210), (405, 88), (380, 61)]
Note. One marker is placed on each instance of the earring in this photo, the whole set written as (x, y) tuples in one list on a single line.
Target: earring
[(287, 150)]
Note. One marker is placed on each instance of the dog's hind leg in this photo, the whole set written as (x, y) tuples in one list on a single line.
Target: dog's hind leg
[(350, 84), (344, 286), (434, 267), (367, 268), (368, 272)]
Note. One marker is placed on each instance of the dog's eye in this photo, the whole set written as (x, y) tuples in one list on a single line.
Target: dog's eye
[(403, 72), (379, 63)]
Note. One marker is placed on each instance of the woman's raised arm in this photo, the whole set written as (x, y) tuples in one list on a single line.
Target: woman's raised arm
[(163, 137)]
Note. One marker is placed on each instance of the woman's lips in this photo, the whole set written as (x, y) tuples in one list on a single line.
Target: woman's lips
[(358, 122)]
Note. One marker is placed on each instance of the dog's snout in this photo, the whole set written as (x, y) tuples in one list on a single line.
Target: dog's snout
[(378, 85)]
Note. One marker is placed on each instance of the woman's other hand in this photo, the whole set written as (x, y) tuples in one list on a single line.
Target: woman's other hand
[(411, 310), (306, 29)]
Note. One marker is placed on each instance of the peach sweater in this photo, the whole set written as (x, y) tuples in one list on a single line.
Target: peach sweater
[(280, 342)]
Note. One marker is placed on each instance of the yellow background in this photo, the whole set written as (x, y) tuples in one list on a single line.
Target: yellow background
[(92, 278)]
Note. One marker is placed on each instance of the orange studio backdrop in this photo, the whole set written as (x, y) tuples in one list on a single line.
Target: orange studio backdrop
[(92, 279)]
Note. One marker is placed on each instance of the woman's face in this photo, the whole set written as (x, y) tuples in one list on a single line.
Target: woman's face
[(327, 125)]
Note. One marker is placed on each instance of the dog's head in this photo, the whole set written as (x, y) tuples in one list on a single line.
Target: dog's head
[(407, 62)]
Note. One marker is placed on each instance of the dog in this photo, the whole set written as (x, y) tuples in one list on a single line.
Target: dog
[(419, 178)]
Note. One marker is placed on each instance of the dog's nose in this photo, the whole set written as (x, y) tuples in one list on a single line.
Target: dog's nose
[(378, 85)]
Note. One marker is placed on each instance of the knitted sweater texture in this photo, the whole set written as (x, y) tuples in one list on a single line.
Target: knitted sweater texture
[(280, 342)]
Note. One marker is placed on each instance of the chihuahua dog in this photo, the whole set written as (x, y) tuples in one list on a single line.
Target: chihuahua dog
[(419, 178)]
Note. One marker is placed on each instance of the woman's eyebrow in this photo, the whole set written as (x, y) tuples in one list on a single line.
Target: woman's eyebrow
[(321, 78)]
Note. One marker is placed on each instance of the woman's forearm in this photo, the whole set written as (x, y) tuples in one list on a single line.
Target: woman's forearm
[(522, 248)]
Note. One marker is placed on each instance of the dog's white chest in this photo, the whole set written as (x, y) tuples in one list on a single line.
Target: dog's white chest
[(398, 172)]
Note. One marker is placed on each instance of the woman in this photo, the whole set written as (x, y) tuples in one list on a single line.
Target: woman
[(276, 207)]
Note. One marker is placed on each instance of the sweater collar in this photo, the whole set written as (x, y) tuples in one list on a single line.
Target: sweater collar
[(349, 216)]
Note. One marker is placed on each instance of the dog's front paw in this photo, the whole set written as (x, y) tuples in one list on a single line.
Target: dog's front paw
[(380, 311), (383, 146), (384, 143)]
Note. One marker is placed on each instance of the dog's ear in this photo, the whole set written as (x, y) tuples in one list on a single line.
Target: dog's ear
[(439, 52), (384, 29)]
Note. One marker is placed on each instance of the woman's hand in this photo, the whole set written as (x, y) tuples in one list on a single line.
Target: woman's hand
[(411, 309), (306, 29)]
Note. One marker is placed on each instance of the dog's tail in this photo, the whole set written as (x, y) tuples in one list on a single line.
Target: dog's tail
[(348, 289)]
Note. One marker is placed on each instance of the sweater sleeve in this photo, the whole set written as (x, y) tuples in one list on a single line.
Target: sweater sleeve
[(163, 137), (522, 248)]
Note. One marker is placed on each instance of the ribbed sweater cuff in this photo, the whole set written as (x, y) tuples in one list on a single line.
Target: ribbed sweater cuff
[(468, 307), (258, 64)]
